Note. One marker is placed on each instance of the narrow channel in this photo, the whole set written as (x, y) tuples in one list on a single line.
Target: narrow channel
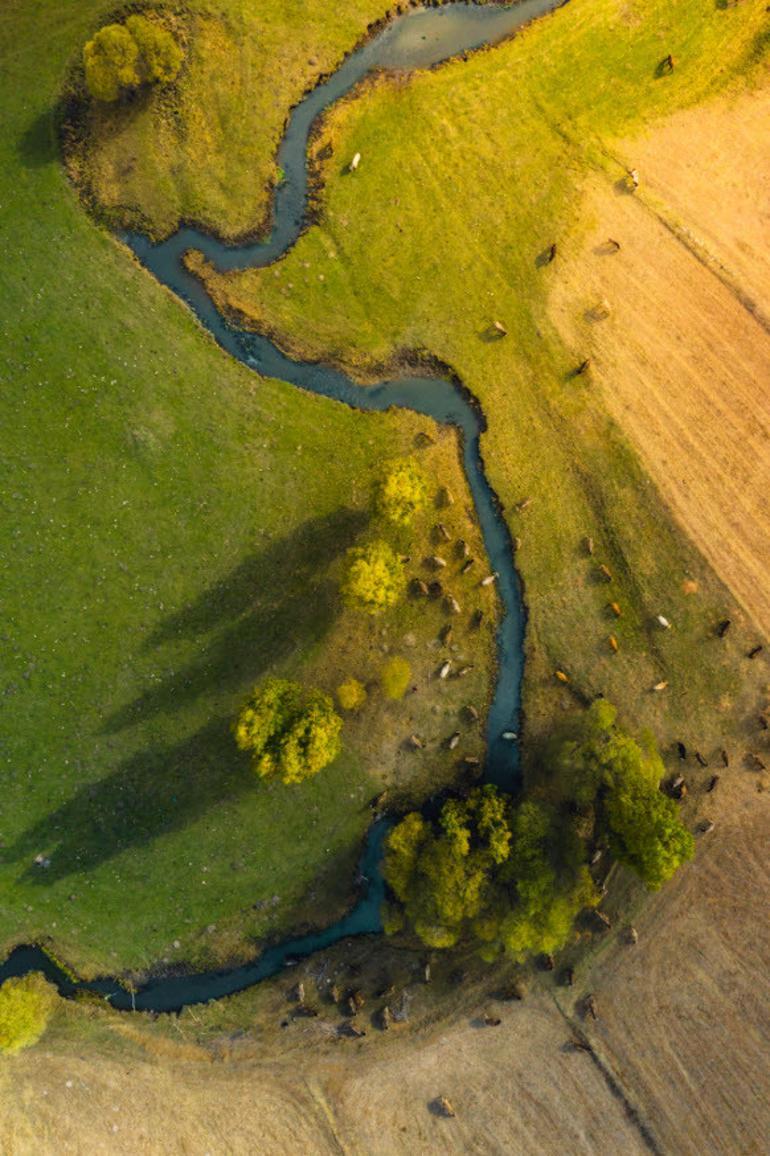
[(420, 39)]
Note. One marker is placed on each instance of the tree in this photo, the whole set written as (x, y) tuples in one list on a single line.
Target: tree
[(111, 62), (121, 57), (291, 732), (395, 676), (160, 56), (374, 578), (26, 1005), (645, 831), (351, 695), (401, 492)]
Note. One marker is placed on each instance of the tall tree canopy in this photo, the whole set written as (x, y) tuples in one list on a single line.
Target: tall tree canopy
[(291, 732), (374, 578), (122, 57)]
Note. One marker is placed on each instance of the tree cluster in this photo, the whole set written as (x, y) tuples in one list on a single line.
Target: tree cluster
[(374, 576), (291, 732), (26, 1005), (513, 875), (124, 57)]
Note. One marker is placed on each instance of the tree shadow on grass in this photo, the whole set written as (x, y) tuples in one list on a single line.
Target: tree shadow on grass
[(38, 146), (267, 606), (152, 793)]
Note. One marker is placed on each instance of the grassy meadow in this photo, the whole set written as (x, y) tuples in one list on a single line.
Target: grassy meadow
[(172, 528), (204, 150), (468, 174)]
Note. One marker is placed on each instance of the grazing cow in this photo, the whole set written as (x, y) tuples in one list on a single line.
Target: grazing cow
[(589, 545), (499, 329), (550, 254), (725, 758), (681, 750), (444, 669), (446, 1108), (667, 64), (613, 244), (723, 627), (492, 1021), (755, 761), (633, 177), (613, 644), (467, 565), (755, 651), (633, 935), (523, 505), (461, 673), (477, 619), (712, 783), (664, 622), (445, 633), (701, 759), (568, 976), (471, 712), (706, 827), (591, 1008), (659, 686), (615, 608), (437, 562), (356, 161), (562, 677), (463, 549), (583, 367), (453, 740), (385, 1018), (452, 604), (678, 787), (605, 572), (419, 587), (490, 578), (435, 589), (351, 1031), (442, 532), (471, 762), (416, 743)]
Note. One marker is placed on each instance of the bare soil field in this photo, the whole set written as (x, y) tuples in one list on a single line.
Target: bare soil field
[(683, 365), (679, 1064)]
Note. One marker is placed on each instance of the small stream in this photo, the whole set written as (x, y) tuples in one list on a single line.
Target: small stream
[(419, 39)]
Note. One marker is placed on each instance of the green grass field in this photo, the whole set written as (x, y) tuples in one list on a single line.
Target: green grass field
[(468, 174), (171, 528)]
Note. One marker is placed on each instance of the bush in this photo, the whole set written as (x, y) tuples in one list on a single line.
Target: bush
[(646, 832), (401, 492), (121, 57), (292, 733), (395, 676), (160, 56), (26, 1005), (351, 695), (374, 578)]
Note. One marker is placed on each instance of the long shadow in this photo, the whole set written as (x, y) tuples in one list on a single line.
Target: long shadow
[(38, 145), (153, 793), (267, 606)]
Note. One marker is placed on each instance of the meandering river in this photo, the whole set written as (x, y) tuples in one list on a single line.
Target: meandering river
[(419, 39)]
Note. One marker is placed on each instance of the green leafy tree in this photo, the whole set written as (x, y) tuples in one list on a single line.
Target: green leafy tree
[(401, 492), (111, 62), (351, 695), (291, 732), (374, 578), (26, 1005), (122, 57), (645, 830), (160, 56), (395, 676)]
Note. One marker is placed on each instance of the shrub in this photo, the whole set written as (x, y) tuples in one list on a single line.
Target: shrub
[(351, 695), (401, 492), (395, 676), (26, 1005), (160, 56), (292, 733), (374, 578)]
